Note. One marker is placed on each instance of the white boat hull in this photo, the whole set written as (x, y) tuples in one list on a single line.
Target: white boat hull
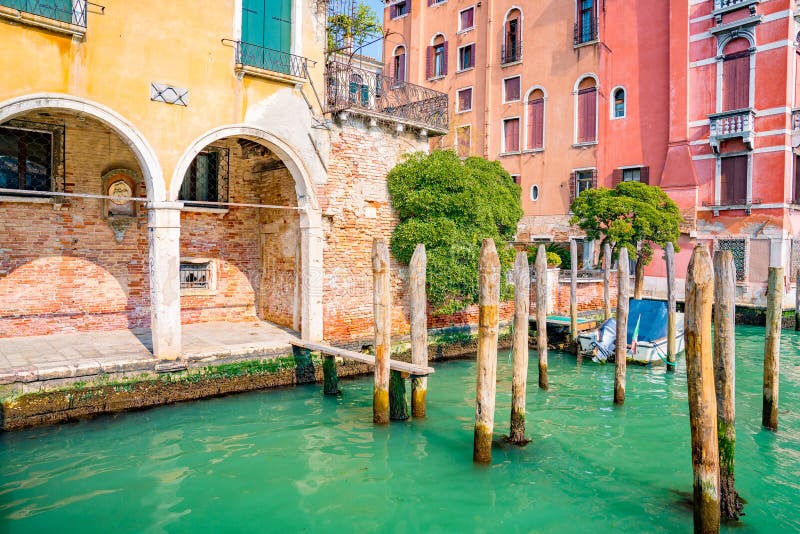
[(646, 352)]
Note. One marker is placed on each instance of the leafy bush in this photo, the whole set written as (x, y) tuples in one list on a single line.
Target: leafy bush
[(557, 254), (451, 206)]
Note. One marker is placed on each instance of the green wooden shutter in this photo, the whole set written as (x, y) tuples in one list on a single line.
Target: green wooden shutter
[(278, 24)]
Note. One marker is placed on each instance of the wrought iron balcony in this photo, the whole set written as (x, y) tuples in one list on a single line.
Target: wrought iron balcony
[(369, 93), (68, 11), (251, 55), (734, 124), (511, 52)]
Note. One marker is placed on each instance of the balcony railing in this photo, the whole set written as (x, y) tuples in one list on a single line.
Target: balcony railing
[(260, 57), (69, 11), (511, 52), (734, 124), (349, 88)]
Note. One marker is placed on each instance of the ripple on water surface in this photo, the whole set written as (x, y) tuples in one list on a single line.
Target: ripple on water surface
[(292, 459)]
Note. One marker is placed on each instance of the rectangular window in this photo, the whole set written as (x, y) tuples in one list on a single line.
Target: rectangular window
[(26, 159), (511, 89), (736, 81), (466, 57), (516, 179), (197, 274), (464, 99), (586, 25), (631, 175), (733, 180), (587, 115), (511, 135), (266, 24), (536, 124), (512, 45), (463, 140), (434, 2), (400, 67), (466, 19), (399, 9), (206, 179), (584, 180), (437, 60)]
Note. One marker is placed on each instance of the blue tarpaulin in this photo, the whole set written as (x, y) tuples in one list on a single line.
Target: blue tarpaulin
[(652, 317)]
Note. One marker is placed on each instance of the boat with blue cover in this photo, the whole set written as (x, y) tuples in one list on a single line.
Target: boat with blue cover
[(646, 339)]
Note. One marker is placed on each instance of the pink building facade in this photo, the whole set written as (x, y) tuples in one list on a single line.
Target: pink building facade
[(696, 96)]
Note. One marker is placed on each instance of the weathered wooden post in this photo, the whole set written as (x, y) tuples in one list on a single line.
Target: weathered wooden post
[(672, 315), (623, 296), (606, 282), (398, 404), (488, 322), (330, 385), (573, 291), (419, 328), (638, 279), (725, 377), (797, 301), (383, 327), (541, 314), (772, 348), (700, 381), (522, 300)]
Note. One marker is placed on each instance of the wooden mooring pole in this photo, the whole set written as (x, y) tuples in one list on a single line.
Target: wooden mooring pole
[(702, 399), (381, 295), (725, 378), (541, 314), (797, 301), (419, 328), (638, 279), (573, 292), (606, 282), (398, 404), (772, 348), (623, 296), (330, 385), (488, 323), (672, 315), (519, 381)]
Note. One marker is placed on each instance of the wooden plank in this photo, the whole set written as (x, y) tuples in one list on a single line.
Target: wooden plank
[(369, 359)]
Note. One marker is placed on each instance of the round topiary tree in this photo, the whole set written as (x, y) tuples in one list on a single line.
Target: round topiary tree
[(450, 205)]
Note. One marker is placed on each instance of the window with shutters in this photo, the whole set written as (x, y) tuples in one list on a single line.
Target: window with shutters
[(436, 61), (586, 23), (581, 180), (399, 64), (466, 19), (511, 50), (463, 140), (466, 57), (631, 174), (399, 9), (359, 91), (736, 75), (535, 118), (618, 108), (587, 111), (733, 180), (464, 100), (267, 24), (511, 89), (511, 135)]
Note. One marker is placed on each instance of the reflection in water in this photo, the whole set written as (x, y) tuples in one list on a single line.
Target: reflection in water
[(291, 459)]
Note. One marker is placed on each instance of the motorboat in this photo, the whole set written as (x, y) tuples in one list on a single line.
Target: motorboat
[(646, 339)]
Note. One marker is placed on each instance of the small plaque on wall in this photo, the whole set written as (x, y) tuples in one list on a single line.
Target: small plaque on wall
[(119, 210)]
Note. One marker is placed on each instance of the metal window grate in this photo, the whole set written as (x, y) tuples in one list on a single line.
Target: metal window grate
[(738, 249), (207, 177), (196, 275), (32, 156), (795, 265)]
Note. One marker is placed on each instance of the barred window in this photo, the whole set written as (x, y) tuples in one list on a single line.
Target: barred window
[(206, 179), (737, 248), (196, 275), (26, 159)]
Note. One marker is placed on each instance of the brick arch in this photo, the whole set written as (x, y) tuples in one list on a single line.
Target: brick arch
[(145, 155)]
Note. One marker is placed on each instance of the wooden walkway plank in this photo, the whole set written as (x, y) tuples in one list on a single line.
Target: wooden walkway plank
[(394, 365)]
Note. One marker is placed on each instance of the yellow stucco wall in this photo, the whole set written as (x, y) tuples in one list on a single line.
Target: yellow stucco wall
[(131, 44)]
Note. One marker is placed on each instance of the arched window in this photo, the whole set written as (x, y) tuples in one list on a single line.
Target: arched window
[(437, 57), (512, 42), (736, 75), (586, 110), (399, 64), (618, 104), (535, 118)]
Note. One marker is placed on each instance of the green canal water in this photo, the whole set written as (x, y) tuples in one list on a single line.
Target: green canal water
[(292, 460)]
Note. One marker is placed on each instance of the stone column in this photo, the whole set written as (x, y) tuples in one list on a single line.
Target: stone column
[(163, 233), (311, 242)]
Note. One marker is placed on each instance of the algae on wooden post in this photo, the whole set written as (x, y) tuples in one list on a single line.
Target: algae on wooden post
[(488, 324), (383, 330), (769, 414), (398, 405), (331, 378), (573, 292), (672, 327), (702, 398), (419, 327), (725, 378), (522, 298), (621, 355), (606, 282), (541, 314)]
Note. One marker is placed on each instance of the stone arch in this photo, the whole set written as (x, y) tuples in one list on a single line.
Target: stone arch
[(145, 155)]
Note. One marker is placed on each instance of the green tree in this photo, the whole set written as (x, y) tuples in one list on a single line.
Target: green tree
[(450, 205), (631, 214), (348, 31)]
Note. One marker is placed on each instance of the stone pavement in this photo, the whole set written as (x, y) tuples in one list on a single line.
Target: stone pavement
[(83, 354)]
